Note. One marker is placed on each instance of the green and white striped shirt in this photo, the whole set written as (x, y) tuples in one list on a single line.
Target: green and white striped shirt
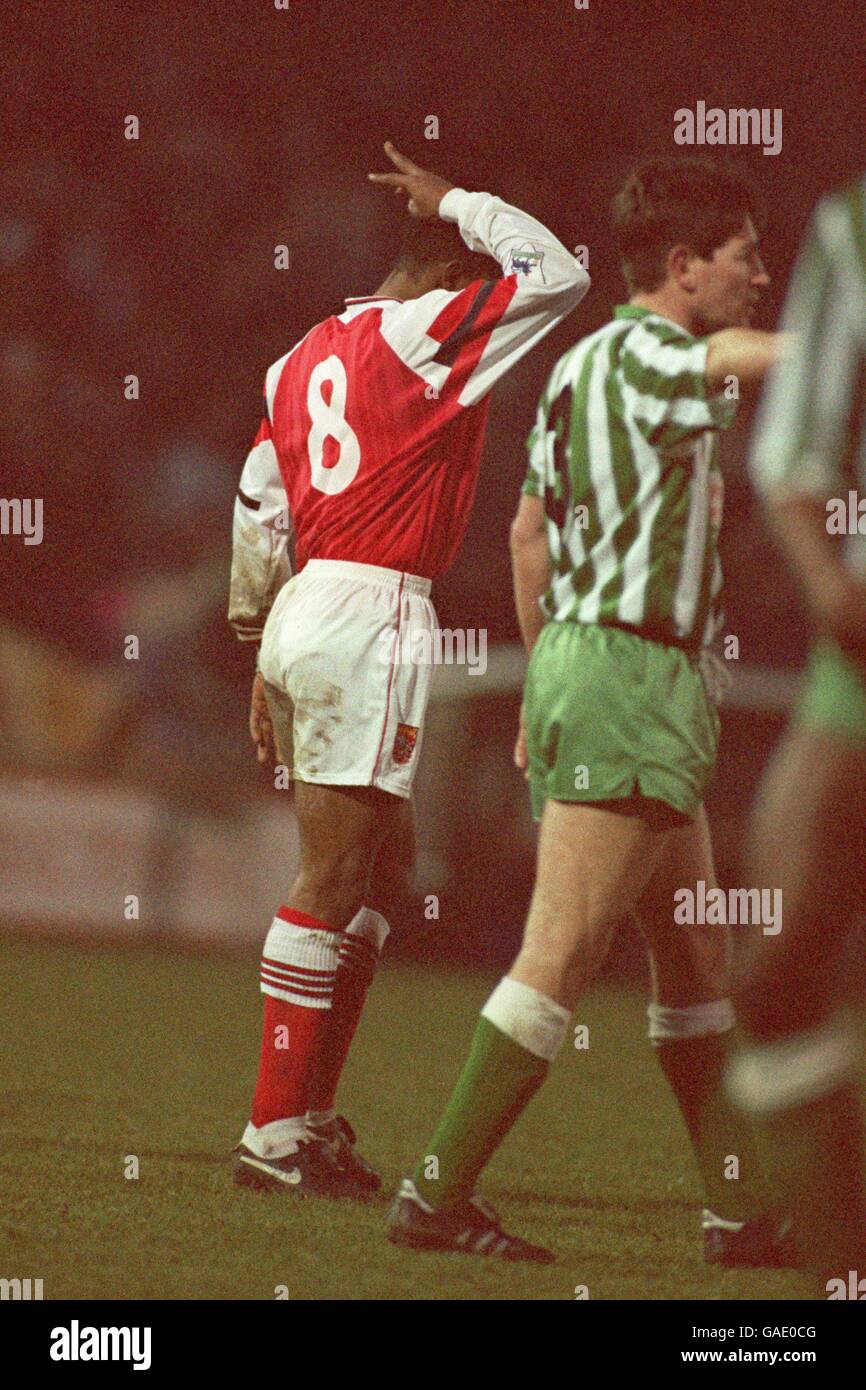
[(811, 431), (624, 455)]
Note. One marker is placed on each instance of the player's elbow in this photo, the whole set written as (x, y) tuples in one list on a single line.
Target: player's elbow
[(569, 291), (563, 288), (527, 528)]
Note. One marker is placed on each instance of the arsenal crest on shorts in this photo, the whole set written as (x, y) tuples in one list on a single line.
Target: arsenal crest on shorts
[(404, 743)]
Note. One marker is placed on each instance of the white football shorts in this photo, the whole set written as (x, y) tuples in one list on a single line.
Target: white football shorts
[(345, 694)]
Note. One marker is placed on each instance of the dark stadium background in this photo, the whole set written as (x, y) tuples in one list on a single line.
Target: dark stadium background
[(156, 256)]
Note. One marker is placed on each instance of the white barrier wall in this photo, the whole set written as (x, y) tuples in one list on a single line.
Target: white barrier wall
[(74, 854), (77, 856)]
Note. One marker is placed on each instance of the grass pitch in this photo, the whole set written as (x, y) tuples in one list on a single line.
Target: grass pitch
[(110, 1053)]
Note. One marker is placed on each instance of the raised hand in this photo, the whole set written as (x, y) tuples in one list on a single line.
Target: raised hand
[(424, 190)]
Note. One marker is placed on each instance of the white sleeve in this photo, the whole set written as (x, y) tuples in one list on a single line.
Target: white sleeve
[(261, 539), (461, 342)]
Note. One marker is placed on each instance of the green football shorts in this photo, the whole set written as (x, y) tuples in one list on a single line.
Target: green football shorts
[(834, 698), (611, 716)]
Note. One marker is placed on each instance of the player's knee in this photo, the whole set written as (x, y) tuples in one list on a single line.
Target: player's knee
[(583, 964), (335, 885), (563, 963), (587, 946)]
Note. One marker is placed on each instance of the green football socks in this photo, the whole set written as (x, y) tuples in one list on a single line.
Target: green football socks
[(498, 1081), (722, 1138)]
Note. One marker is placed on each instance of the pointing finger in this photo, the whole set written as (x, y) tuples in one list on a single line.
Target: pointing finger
[(400, 160)]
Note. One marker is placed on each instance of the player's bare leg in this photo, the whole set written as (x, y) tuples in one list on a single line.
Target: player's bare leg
[(592, 866), (396, 857), (691, 1021), (342, 830), (797, 1075), (688, 964), (595, 866)]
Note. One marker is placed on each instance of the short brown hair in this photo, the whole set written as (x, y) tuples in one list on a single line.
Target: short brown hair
[(695, 200)]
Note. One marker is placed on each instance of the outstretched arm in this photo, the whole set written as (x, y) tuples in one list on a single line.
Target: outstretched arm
[(462, 342), (745, 353)]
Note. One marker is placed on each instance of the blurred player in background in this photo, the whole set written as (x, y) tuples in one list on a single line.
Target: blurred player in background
[(617, 585), (369, 447), (809, 831)]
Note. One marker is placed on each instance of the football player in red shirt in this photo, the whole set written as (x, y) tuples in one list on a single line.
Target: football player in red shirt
[(366, 463)]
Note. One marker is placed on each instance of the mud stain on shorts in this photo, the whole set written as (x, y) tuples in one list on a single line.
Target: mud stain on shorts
[(305, 723)]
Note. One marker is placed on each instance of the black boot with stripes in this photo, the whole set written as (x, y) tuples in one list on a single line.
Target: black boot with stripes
[(471, 1228)]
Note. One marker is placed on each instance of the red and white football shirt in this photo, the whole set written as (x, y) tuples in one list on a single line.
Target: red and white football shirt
[(373, 424)]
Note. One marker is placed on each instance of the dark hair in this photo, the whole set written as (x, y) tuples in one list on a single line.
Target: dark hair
[(428, 241), (695, 200)]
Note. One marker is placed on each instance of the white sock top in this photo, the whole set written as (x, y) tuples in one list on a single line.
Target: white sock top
[(532, 1019)]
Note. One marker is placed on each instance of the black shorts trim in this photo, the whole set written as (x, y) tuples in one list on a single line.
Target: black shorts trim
[(658, 815)]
